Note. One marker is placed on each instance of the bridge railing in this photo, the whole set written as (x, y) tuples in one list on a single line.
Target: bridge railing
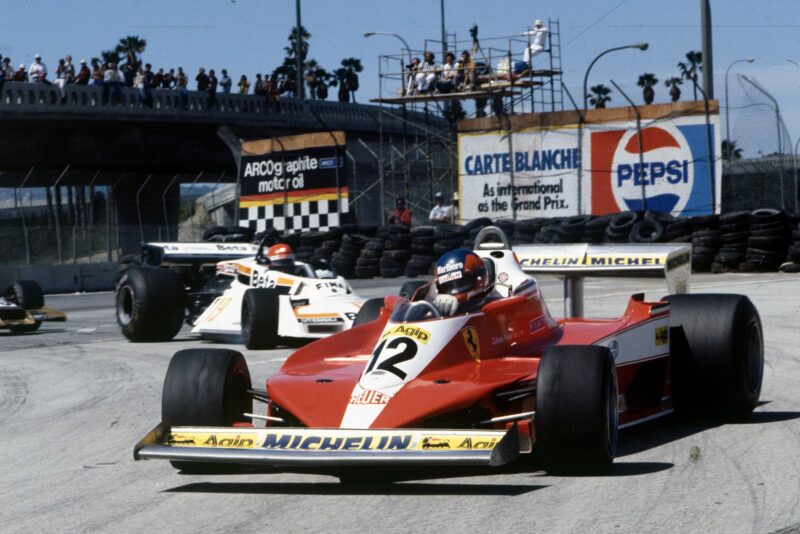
[(91, 99)]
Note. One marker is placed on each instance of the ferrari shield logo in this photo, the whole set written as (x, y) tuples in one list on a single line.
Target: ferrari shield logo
[(470, 335)]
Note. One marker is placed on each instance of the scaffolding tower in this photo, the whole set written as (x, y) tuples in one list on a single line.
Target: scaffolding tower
[(424, 161)]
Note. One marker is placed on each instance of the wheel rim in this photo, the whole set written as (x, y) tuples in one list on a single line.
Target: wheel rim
[(612, 414), (755, 358), (125, 300)]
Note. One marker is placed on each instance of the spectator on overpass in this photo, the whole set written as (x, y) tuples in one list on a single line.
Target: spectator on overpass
[(168, 82), (244, 85), (140, 84), (112, 82), (401, 215), (61, 79), (97, 73), (157, 80), (182, 85), (82, 78), (259, 88), (225, 82), (202, 80), (6, 70), (21, 75), (212, 89), (37, 72)]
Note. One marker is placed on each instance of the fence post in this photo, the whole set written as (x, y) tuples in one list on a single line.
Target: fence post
[(58, 214)]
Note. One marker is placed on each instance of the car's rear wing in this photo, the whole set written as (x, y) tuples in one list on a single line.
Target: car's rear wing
[(574, 262), (195, 253), (323, 448)]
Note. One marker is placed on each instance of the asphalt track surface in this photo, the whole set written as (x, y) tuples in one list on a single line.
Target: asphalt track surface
[(75, 397)]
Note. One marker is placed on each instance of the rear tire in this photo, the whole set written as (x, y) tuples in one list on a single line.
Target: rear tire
[(26, 294), (260, 315), (206, 387), (150, 304), (576, 409), (370, 311), (717, 354)]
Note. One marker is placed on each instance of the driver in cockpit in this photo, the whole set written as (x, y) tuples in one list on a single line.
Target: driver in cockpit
[(281, 258), (462, 283)]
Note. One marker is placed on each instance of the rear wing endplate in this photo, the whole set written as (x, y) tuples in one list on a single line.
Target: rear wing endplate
[(574, 262)]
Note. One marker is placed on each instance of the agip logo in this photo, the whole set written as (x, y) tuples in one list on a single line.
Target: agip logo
[(674, 175)]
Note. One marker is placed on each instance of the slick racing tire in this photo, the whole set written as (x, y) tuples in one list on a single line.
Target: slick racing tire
[(206, 387), (576, 409), (717, 348), (370, 311), (408, 289), (260, 315), (26, 294), (151, 304)]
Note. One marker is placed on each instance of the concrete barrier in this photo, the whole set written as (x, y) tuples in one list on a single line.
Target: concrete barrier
[(63, 278)]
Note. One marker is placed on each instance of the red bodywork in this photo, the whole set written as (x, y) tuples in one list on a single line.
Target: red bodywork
[(458, 390)]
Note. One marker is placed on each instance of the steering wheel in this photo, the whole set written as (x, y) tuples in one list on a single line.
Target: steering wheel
[(419, 309)]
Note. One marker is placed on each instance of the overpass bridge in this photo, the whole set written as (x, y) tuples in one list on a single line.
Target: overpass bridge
[(141, 153)]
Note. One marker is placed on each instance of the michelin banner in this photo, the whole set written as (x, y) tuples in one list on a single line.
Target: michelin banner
[(672, 175), (545, 164)]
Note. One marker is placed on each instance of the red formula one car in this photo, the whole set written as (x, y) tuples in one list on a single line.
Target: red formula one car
[(411, 387)]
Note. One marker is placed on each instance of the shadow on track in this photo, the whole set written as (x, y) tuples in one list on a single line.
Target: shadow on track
[(672, 428), (333, 488)]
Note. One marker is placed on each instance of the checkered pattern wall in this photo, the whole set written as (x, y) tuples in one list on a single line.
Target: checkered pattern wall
[(295, 216)]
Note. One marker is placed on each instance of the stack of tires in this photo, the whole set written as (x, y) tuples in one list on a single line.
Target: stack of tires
[(344, 260), (229, 234), (767, 244), (448, 237), (422, 254), (331, 242), (679, 231), (734, 229), (473, 228), (396, 251), (705, 242), (792, 264), (368, 260), (309, 243), (525, 231), (620, 226), (649, 229)]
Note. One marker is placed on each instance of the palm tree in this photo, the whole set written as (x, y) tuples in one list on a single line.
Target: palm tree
[(600, 97), (731, 151), (647, 81), (109, 56), (347, 77), (675, 91), (293, 34), (689, 70), (130, 46)]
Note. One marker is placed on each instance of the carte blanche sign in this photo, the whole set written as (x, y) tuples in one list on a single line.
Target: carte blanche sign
[(545, 163)]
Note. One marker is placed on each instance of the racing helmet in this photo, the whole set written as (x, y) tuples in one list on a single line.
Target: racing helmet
[(281, 258), (461, 273)]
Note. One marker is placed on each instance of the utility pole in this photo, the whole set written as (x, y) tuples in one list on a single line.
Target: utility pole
[(298, 48), (707, 50), (444, 33)]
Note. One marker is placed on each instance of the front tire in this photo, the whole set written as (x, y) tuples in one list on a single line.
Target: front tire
[(150, 304), (26, 294), (260, 315), (576, 418), (206, 387), (717, 351)]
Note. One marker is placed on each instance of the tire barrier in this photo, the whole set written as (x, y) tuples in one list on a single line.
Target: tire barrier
[(764, 240)]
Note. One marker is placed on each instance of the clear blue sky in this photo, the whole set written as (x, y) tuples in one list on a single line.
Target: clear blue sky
[(248, 36)]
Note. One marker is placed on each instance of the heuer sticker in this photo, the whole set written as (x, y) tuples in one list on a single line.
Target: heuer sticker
[(370, 397)]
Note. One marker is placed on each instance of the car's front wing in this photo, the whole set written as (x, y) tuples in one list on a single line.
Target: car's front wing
[(329, 448)]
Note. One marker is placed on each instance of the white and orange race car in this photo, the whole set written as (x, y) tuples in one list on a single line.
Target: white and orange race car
[(505, 382), (228, 292)]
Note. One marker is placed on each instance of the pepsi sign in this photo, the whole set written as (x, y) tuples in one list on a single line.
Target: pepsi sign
[(673, 174)]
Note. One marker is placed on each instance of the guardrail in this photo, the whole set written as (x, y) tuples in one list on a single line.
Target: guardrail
[(92, 100)]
